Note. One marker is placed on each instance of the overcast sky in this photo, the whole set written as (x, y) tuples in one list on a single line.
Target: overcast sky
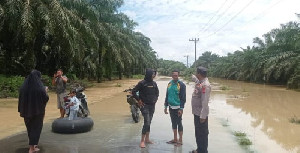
[(222, 26)]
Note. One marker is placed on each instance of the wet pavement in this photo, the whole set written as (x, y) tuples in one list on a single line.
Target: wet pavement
[(115, 132)]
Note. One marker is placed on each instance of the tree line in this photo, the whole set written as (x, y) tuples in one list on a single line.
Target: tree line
[(92, 39), (86, 38), (274, 59)]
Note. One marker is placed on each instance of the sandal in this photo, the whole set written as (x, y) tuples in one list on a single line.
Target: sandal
[(171, 142)]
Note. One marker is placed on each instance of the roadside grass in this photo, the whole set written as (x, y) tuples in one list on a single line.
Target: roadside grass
[(138, 76), (242, 138), (118, 85), (224, 88), (239, 134), (294, 120)]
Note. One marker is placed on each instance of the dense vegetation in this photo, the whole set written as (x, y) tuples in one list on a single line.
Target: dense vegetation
[(86, 38), (274, 59), (167, 66), (91, 39)]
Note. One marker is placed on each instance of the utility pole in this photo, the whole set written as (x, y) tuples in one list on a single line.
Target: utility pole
[(187, 61), (195, 40)]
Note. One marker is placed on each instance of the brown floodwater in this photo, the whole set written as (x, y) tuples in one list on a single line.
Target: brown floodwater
[(261, 111), (13, 123)]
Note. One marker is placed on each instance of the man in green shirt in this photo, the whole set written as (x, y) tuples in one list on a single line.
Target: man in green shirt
[(175, 100)]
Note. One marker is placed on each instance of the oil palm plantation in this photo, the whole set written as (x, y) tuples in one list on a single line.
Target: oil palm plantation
[(275, 59), (89, 38)]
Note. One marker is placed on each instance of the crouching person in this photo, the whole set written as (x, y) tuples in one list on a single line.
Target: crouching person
[(73, 105)]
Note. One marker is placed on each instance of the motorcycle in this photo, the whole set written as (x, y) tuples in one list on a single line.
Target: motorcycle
[(134, 108), (83, 107)]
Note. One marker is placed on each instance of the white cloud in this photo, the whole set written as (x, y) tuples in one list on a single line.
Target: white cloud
[(131, 14), (170, 23)]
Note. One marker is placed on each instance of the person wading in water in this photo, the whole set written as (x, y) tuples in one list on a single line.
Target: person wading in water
[(33, 98), (148, 95)]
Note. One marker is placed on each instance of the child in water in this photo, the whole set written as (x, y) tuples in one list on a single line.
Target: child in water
[(73, 105)]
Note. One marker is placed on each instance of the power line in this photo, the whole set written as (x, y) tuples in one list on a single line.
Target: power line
[(204, 27), (221, 14), (229, 20), (264, 11)]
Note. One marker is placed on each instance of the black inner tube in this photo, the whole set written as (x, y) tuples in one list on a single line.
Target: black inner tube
[(78, 125)]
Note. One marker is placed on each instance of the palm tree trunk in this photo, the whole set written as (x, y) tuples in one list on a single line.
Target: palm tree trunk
[(108, 65), (119, 72), (100, 64)]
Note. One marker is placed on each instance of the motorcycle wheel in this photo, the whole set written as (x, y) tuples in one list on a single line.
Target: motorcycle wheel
[(134, 113)]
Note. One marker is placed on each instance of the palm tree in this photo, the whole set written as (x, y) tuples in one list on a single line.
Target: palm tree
[(85, 37)]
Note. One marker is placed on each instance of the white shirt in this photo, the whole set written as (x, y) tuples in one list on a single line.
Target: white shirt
[(76, 103)]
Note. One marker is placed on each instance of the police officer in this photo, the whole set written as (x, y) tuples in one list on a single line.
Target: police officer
[(200, 109)]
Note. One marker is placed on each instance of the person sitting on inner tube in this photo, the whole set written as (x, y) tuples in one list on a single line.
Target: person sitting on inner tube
[(73, 105)]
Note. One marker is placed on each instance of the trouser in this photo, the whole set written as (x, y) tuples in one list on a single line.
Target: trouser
[(147, 111), (176, 120), (201, 134), (60, 100), (34, 127), (73, 114)]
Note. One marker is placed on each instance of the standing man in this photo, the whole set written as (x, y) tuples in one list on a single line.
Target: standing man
[(200, 109), (60, 82), (147, 97), (175, 100)]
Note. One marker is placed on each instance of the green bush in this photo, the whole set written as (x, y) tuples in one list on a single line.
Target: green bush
[(224, 88), (83, 83), (294, 82), (47, 80), (138, 76), (9, 86)]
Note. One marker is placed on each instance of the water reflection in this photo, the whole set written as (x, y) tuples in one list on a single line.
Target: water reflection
[(268, 108)]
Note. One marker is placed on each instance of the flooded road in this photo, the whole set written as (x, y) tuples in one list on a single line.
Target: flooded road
[(250, 108), (261, 111)]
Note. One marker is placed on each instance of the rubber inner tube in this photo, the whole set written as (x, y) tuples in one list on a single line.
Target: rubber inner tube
[(78, 125)]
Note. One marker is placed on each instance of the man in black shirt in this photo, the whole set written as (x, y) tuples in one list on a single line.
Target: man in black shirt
[(147, 97)]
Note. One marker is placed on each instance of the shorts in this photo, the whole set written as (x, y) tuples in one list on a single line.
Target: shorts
[(60, 100)]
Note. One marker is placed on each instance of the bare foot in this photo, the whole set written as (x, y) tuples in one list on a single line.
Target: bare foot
[(149, 142), (31, 151), (36, 148), (142, 144), (178, 144)]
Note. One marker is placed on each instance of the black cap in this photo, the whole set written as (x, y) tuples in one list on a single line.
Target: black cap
[(202, 70)]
